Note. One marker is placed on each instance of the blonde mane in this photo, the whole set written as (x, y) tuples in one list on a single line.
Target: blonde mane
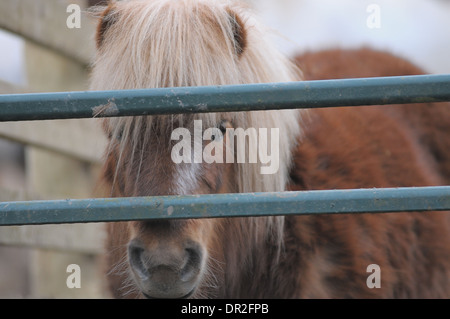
[(179, 43)]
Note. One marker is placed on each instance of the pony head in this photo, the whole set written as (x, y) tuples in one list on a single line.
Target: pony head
[(174, 43)]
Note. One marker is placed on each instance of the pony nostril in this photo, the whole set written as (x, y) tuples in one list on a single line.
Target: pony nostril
[(192, 266), (135, 254)]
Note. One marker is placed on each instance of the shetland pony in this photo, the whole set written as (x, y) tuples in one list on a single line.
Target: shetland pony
[(170, 43)]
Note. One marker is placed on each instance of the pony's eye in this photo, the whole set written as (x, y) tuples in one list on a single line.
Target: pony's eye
[(219, 131), (223, 127), (217, 135), (116, 134)]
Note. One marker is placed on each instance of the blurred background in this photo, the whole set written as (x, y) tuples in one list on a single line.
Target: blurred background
[(60, 159)]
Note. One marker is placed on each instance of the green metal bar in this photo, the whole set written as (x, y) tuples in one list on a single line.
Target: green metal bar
[(226, 205), (312, 94)]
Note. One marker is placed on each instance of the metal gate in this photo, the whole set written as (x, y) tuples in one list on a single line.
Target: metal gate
[(308, 94)]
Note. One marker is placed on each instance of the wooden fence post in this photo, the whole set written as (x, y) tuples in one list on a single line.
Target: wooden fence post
[(62, 158)]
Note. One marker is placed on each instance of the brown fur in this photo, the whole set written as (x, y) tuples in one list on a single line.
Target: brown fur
[(106, 20), (240, 34), (364, 147), (291, 257)]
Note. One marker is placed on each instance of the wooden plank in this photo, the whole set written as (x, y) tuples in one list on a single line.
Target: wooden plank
[(81, 238), (49, 276), (48, 71), (56, 60), (51, 175), (81, 139), (55, 176), (8, 88), (15, 264), (15, 195), (44, 22)]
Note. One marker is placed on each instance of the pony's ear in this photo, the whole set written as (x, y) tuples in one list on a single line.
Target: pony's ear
[(107, 19), (239, 32)]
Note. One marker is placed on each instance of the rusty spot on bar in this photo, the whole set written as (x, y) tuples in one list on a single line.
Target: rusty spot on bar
[(109, 109)]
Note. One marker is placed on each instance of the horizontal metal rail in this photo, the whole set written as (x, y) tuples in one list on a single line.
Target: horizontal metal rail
[(226, 205), (308, 94)]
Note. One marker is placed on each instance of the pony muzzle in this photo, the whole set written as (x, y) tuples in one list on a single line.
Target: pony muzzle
[(164, 272)]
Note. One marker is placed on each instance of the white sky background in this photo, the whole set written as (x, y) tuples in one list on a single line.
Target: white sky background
[(11, 59), (416, 29)]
